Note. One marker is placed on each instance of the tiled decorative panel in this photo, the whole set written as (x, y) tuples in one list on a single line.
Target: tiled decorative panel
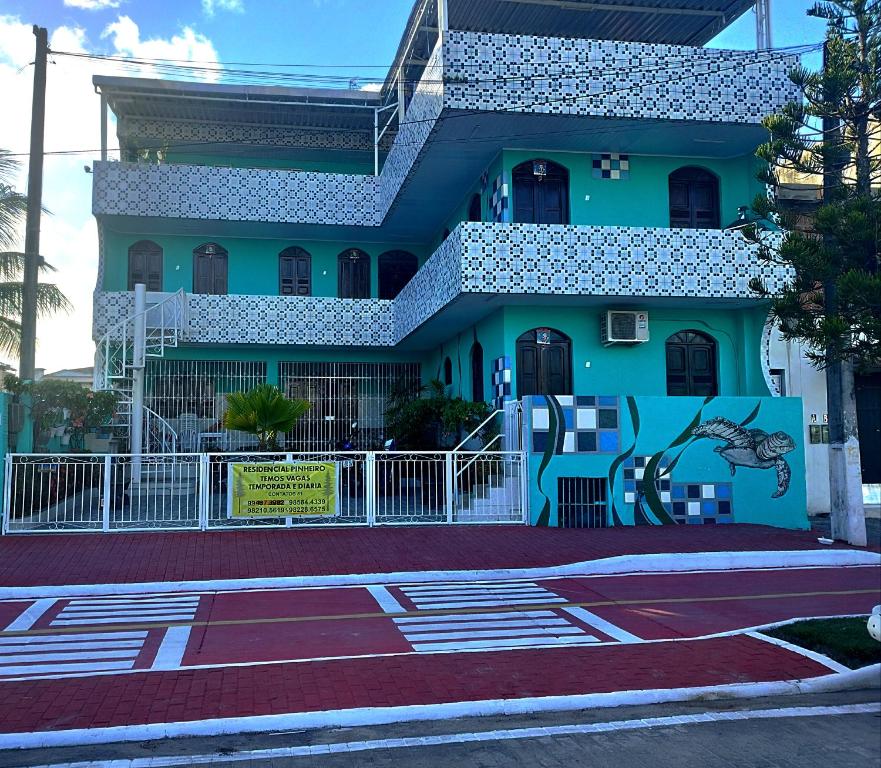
[(591, 424), (419, 121), (608, 78), (610, 261), (701, 503), (234, 194), (634, 479), (241, 319), (485, 258), (611, 165), (500, 200), (501, 381)]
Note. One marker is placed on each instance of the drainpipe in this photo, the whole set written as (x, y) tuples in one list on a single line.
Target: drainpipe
[(138, 362)]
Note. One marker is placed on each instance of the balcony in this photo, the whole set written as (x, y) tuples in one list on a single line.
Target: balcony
[(267, 196), (477, 268), (611, 79)]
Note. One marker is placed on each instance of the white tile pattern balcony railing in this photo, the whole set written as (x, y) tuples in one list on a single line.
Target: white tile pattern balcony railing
[(236, 194), (500, 73), (478, 258), (606, 78)]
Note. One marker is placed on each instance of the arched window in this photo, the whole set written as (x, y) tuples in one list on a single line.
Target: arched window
[(448, 371), (354, 274), (544, 363), (145, 265), (210, 269), (396, 269), (694, 199), (475, 208), (477, 393), (691, 364), (541, 193), (294, 272)]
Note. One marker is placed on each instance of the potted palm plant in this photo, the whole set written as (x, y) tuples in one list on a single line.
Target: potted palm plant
[(265, 413)]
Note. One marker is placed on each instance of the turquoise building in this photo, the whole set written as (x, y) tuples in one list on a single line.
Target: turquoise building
[(531, 210)]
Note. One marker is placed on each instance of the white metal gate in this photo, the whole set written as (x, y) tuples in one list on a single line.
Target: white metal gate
[(65, 492)]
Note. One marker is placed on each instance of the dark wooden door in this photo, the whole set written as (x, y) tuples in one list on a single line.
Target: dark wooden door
[(544, 369), (868, 392), (294, 273), (477, 390), (210, 270), (145, 265), (396, 269), (691, 365), (694, 199), (354, 275), (541, 198)]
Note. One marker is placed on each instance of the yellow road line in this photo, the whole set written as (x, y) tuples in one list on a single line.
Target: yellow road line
[(428, 612)]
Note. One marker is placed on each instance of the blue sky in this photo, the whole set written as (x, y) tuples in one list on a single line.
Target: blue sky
[(352, 38)]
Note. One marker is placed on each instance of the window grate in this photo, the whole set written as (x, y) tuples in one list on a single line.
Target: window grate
[(342, 395), (581, 502)]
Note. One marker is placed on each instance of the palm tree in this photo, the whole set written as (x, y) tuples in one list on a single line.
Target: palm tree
[(50, 299), (264, 412)]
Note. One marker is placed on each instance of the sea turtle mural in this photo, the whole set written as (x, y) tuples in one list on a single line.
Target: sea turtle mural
[(753, 448)]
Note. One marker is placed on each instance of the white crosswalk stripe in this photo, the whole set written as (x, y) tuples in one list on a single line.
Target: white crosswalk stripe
[(129, 609), (491, 629), (37, 655)]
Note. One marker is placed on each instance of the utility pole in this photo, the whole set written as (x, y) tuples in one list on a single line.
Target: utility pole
[(763, 25), (35, 203), (847, 516)]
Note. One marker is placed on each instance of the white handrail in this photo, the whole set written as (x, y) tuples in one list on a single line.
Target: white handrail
[(477, 429), (152, 418)]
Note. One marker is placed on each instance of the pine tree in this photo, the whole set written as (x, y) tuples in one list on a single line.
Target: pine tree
[(833, 303)]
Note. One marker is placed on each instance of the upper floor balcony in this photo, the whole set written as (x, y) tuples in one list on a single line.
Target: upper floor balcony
[(478, 94), (478, 268)]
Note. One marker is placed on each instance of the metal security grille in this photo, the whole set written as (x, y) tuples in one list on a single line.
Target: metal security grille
[(581, 502), (197, 387), (343, 395)]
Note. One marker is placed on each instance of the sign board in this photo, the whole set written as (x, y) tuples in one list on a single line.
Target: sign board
[(283, 489)]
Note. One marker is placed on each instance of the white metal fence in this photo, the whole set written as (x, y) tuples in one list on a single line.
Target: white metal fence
[(79, 492)]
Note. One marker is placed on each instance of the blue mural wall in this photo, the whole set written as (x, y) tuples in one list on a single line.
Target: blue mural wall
[(669, 460)]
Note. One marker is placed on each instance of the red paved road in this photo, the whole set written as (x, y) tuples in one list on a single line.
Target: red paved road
[(250, 628), (159, 697), (184, 556)]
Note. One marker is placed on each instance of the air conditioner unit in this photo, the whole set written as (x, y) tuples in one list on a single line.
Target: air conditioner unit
[(624, 327)]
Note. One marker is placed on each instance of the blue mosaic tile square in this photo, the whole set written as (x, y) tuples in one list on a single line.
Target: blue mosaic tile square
[(708, 507), (585, 400), (724, 506), (678, 492), (539, 441), (693, 491), (608, 441), (607, 418), (569, 418), (587, 442), (608, 400), (723, 491)]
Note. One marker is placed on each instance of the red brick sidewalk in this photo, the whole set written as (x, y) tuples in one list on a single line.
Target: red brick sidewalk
[(192, 695), (119, 558)]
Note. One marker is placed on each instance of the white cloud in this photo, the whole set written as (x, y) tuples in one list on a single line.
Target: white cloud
[(92, 5), (69, 235), (210, 6)]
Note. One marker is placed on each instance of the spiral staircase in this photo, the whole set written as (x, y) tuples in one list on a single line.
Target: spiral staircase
[(120, 351)]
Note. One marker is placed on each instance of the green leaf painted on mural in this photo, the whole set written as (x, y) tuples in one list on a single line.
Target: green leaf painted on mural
[(619, 460), (650, 490), (752, 417)]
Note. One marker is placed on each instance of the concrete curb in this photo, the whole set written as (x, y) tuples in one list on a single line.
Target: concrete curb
[(610, 566), (868, 677)]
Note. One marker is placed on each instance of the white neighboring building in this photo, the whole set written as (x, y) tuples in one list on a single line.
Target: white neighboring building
[(795, 376)]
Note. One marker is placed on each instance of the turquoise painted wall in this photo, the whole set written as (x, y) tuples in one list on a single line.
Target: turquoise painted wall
[(642, 200), (641, 369), (489, 332), (697, 473), (253, 263)]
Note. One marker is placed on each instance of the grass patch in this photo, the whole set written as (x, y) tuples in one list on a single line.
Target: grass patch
[(847, 641)]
